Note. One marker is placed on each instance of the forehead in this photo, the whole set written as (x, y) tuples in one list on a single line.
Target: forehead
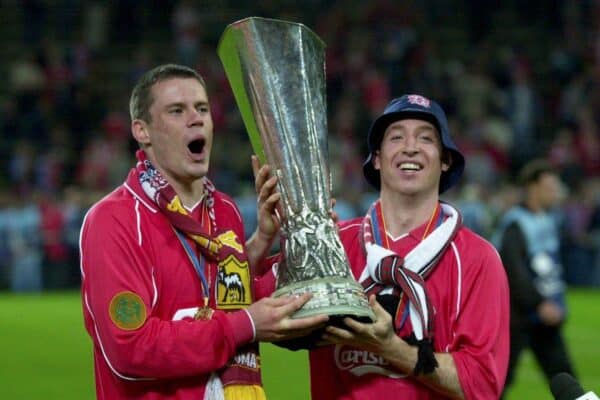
[(178, 90), (417, 125), (549, 178)]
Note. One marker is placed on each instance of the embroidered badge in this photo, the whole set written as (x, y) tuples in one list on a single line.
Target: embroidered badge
[(419, 100), (127, 311), (233, 283)]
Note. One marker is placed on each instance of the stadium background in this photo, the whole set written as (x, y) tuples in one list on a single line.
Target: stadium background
[(519, 80)]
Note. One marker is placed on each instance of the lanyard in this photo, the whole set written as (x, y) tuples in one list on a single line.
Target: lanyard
[(198, 265)]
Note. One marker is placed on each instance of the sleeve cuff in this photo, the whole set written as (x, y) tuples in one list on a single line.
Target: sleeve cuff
[(243, 327)]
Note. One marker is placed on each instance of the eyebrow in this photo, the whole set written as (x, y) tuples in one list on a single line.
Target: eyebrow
[(426, 126), (181, 104)]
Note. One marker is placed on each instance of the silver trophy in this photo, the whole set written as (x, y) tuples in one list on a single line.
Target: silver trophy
[(277, 72)]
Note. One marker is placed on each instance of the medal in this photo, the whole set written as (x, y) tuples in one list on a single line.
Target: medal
[(204, 313)]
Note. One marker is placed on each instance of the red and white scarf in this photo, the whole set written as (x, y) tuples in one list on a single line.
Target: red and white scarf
[(386, 272), (206, 236)]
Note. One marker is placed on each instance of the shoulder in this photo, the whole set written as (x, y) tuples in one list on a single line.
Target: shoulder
[(476, 252), (225, 203), (117, 204), (227, 213), (119, 212), (515, 215), (350, 227)]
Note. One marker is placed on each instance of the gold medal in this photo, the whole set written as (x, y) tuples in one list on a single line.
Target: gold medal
[(204, 313)]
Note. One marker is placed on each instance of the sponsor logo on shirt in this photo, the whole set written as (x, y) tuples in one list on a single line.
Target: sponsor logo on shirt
[(361, 362)]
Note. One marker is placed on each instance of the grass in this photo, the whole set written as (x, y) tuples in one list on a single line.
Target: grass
[(46, 353)]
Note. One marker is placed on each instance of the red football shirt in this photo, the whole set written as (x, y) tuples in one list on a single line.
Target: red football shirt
[(469, 293)]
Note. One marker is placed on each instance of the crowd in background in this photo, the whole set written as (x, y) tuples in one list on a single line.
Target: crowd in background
[(518, 81)]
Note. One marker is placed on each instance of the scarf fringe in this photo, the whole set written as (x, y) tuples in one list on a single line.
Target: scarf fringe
[(426, 361), (214, 388), (216, 391)]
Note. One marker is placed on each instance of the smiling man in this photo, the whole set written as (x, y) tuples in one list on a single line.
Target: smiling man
[(167, 287), (438, 290)]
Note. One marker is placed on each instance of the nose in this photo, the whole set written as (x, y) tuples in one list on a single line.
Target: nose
[(196, 118), (410, 145)]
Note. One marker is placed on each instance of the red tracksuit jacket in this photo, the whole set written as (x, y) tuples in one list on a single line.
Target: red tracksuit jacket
[(128, 246)]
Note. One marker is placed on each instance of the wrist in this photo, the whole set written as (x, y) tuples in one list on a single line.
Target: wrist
[(265, 238)]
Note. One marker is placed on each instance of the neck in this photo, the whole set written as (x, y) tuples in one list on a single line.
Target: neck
[(534, 206), (404, 214), (189, 193)]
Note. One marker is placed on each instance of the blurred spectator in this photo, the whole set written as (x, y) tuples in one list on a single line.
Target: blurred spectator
[(186, 30), (24, 243), (562, 154), (577, 244), (474, 209), (522, 109), (5, 252), (587, 142), (95, 25), (21, 166), (55, 261), (594, 233)]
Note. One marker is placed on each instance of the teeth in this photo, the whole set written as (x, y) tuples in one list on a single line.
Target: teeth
[(409, 166)]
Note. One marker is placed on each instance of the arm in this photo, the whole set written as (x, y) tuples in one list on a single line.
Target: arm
[(380, 338), (473, 363), (523, 292), (480, 327), (114, 262), (514, 255)]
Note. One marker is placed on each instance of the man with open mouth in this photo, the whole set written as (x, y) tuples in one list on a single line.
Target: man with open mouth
[(167, 279)]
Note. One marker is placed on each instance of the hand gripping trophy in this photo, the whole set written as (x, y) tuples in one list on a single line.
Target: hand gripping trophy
[(277, 73)]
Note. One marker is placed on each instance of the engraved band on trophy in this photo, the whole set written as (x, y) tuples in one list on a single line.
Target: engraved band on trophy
[(277, 72)]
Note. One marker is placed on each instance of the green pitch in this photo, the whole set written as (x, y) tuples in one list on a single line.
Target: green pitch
[(46, 353)]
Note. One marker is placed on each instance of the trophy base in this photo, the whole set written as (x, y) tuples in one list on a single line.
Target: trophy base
[(311, 340), (334, 296)]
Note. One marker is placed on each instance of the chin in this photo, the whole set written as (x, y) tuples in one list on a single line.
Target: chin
[(198, 171)]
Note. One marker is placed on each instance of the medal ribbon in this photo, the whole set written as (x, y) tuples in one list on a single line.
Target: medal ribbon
[(199, 265)]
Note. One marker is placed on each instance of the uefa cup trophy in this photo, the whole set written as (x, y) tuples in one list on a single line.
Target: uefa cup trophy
[(277, 72)]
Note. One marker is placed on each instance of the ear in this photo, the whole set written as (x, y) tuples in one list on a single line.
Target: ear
[(376, 161), (446, 160), (139, 130)]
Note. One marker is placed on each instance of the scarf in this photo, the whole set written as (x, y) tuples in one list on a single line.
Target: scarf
[(388, 273), (240, 379)]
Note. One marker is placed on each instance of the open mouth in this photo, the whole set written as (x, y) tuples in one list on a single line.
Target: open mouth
[(196, 146), (408, 166)]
